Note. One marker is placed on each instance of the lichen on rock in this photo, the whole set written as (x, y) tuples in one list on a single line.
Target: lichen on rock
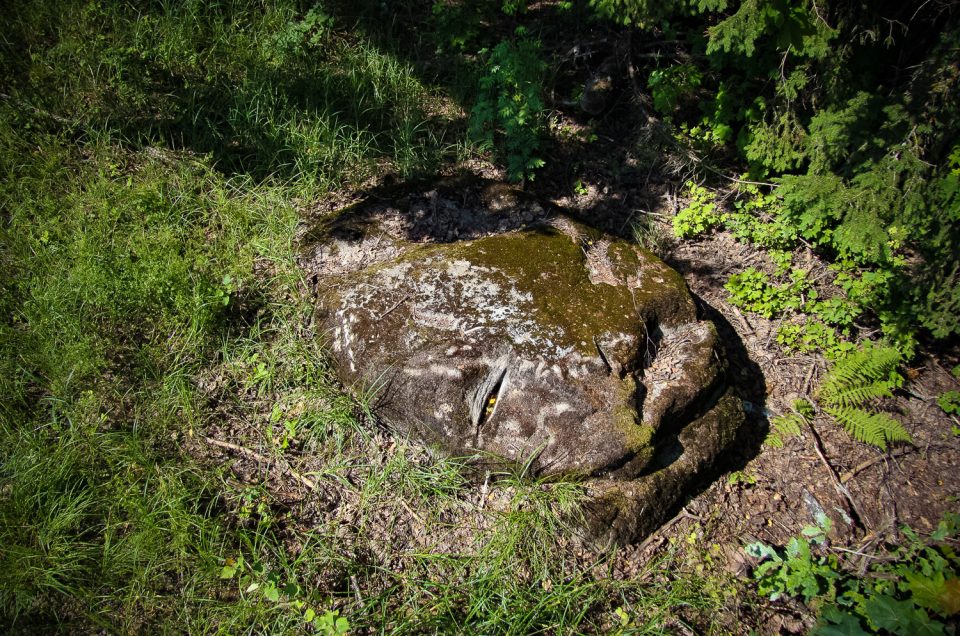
[(576, 353)]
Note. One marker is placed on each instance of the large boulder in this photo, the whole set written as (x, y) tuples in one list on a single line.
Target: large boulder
[(555, 346)]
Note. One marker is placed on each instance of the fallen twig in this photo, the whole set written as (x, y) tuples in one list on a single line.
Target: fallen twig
[(747, 327), (854, 511), (772, 333), (809, 378), (356, 588), (263, 459), (859, 468)]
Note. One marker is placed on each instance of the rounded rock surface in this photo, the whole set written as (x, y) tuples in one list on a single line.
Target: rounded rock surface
[(554, 346)]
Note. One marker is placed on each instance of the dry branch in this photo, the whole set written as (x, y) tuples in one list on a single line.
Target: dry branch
[(263, 459)]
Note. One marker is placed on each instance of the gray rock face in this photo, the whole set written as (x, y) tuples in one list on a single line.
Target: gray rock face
[(554, 345)]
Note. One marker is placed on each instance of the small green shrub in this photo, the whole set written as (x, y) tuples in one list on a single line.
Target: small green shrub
[(752, 290), (950, 402), (298, 37), (508, 116), (909, 591), (811, 335), (830, 323), (701, 214), (455, 25), (796, 570), (670, 86)]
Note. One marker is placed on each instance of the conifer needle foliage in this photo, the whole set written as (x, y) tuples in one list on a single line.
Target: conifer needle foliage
[(851, 111)]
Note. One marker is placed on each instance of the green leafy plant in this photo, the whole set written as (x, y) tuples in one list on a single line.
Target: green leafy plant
[(455, 26), (853, 383), (701, 213), (298, 37), (865, 172), (909, 591), (789, 425), (796, 570), (670, 85), (513, 7), (270, 586), (740, 477), (950, 402), (752, 290), (225, 290), (811, 335), (508, 115)]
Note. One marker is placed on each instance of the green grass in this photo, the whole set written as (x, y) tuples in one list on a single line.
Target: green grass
[(268, 91), (154, 161)]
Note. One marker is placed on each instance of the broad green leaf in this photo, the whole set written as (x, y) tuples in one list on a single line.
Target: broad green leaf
[(271, 593), (900, 617), (838, 623), (760, 550), (927, 590), (229, 569), (935, 592)]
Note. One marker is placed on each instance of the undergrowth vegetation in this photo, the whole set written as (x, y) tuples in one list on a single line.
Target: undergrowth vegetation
[(175, 455), (845, 154), (913, 589), (508, 114)]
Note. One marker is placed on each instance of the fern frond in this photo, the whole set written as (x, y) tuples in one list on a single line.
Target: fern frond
[(789, 424), (892, 429), (858, 394), (870, 428), (783, 426), (864, 374)]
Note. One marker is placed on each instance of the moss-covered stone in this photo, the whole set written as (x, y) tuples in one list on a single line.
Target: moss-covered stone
[(556, 345), (549, 267)]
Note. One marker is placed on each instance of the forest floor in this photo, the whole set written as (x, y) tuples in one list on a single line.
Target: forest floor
[(176, 455), (771, 493), (763, 492)]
